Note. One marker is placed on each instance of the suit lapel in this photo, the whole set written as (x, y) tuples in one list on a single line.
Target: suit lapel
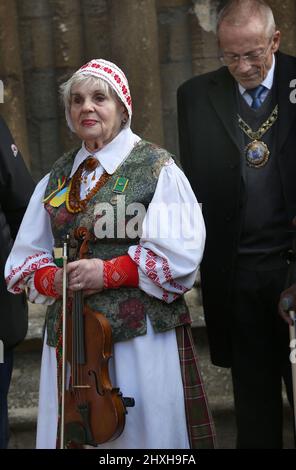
[(222, 93)]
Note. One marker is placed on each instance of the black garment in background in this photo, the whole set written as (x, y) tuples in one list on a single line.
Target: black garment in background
[(5, 377), (16, 187), (260, 358)]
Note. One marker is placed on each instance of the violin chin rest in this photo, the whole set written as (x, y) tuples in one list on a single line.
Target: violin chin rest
[(128, 402)]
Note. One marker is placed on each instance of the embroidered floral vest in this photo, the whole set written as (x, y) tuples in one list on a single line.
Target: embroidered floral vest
[(125, 308)]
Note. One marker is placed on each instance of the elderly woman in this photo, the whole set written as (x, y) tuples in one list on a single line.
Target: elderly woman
[(136, 271)]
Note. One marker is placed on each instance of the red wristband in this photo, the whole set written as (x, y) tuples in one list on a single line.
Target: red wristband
[(44, 281), (119, 272)]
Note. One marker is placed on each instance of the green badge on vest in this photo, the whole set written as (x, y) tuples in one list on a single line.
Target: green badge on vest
[(58, 256), (120, 185)]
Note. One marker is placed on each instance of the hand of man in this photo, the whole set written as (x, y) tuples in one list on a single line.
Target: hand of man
[(287, 302)]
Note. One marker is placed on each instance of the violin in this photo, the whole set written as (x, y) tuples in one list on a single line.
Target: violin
[(94, 411)]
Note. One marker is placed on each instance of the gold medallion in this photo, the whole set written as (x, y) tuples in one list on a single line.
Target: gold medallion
[(257, 154)]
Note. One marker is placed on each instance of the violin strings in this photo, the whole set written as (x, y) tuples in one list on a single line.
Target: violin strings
[(73, 343), (80, 340), (78, 343)]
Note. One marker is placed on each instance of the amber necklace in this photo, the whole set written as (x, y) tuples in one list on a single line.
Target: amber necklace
[(73, 202)]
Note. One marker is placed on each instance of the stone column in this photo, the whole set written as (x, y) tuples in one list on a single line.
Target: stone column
[(204, 41), (175, 61), (134, 41), (68, 53), (12, 105), (40, 85), (95, 22), (285, 17)]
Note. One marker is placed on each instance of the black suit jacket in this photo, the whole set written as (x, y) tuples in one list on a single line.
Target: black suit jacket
[(210, 155), (16, 187)]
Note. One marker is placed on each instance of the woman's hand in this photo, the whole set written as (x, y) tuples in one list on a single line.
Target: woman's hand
[(86, 274), (58, 281)]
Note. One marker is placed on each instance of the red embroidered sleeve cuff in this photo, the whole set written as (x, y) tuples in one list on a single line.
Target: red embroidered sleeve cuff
[(120, 272), (44, 281)]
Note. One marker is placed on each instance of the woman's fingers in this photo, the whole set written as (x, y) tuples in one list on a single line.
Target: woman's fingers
[(58, 281), (85, 274)]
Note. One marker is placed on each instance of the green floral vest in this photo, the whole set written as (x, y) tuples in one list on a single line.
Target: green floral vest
[(125, 308)]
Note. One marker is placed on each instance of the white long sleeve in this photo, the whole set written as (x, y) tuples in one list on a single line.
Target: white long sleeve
[(173, 238), (32, 248)]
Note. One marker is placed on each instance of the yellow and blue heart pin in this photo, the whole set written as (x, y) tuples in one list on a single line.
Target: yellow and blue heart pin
[(58, 196)]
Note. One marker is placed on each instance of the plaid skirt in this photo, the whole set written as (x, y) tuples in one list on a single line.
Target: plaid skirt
[(201, 429)]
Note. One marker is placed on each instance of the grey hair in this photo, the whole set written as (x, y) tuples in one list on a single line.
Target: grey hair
[(65, 88), (239, 12)]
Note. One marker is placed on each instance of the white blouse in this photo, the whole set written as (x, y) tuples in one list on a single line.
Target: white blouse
[(173, 232)]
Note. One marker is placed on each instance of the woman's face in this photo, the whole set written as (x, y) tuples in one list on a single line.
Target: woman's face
[(96, 117)]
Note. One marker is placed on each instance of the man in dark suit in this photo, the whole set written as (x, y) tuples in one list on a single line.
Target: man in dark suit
[(16, 187), (237, 131)]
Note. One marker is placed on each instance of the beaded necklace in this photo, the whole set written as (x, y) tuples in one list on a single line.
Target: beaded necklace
[(73, 202)]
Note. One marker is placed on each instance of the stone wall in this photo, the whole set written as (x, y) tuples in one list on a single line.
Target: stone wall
[(158, 43)]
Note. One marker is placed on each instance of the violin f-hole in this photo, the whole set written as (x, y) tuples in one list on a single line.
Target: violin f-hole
[(98, 388)]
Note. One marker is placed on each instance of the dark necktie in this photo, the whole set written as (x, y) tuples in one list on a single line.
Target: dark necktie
[(256, 93)]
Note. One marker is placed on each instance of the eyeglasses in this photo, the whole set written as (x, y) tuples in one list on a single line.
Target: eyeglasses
[(251, 58)]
